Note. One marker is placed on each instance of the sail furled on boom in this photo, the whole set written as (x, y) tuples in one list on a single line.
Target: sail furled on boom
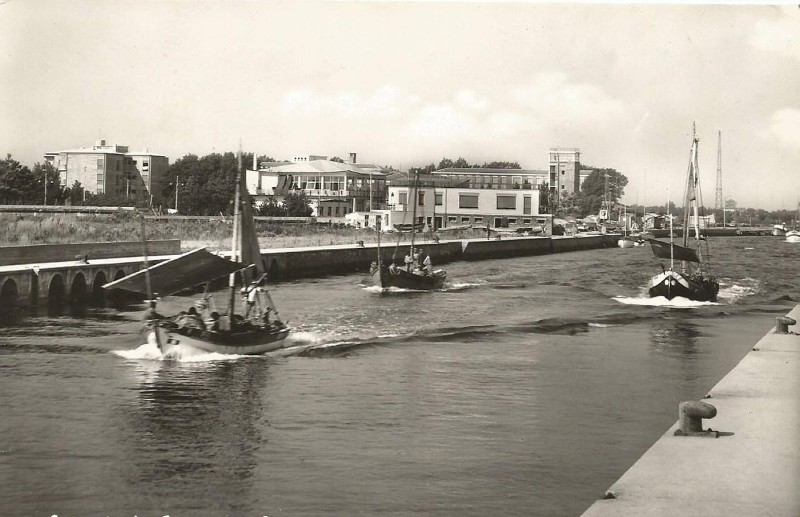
[(662, 250), (188, 270)]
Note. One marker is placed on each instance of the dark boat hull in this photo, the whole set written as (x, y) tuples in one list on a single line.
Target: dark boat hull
[(672, 284), (403, 279)]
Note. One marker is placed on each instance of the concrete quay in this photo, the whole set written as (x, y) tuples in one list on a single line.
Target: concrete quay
[(752, 469), (52, 272)]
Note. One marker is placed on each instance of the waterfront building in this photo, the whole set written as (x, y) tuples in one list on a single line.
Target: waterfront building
[(111, 169), (445, 202), (334, 189), (488, 178), (566, 175)]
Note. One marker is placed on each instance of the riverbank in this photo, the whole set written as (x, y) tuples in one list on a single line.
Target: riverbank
[(753, 468), (213, 233)]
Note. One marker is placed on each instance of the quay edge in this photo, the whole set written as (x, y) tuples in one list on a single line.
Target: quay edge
[(753, 471), (54, 272)]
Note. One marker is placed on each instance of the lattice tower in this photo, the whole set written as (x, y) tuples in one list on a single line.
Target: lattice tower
[(719, 203)]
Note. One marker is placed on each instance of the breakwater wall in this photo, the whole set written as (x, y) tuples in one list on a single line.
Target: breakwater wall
[(304, 262), (749, 464), (42, 253), (51, 272)]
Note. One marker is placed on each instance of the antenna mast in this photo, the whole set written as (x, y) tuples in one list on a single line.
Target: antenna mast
[(719, 203)]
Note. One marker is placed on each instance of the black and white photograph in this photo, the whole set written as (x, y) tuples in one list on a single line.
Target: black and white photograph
[(399, 258)]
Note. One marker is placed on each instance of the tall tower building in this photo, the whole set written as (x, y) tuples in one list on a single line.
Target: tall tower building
[(565, 170)]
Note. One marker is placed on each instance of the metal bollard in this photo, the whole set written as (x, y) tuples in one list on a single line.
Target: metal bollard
[(782, 324), (690, 417)]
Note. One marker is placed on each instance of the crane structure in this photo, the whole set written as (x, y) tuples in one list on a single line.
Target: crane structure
[(719, 202)]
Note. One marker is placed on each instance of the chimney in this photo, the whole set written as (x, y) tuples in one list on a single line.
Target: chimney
[(255, 162), (352, 157)]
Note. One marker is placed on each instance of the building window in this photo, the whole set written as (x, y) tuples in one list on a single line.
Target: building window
[(505, 202), (563, 187), (452, 219), (526, 221), (100, 163), (512, 221), (337, 210), (439, 199), (421, 198), (116, 166), (468, 201), (526, 205), (403, 198), (478, 220), (465, 220)]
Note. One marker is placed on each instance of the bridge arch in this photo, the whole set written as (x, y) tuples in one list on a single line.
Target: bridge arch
[(98, 292), (78, 290), (9, 293), (56, 290)]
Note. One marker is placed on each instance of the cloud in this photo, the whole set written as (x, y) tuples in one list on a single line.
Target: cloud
[(784, 127), (470, 100), (551, 95), (779, 36), (383, 102), (442, 122)]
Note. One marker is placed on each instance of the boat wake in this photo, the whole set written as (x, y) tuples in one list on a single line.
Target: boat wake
[(735, 292), (392, 290), (181, 353), (659, 301), (459, 286)]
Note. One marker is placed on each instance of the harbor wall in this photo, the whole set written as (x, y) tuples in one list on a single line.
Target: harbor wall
[(39, 253), (751, 468)]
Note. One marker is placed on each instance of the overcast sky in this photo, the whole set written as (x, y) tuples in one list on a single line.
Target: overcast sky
[(406, 84)]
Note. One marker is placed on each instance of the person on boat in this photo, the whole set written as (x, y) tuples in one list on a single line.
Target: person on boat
[(193, 320), (416, 257), (409, 261), (213, 322), (393, 268), (150, 313), (250, 294), (427, 265)]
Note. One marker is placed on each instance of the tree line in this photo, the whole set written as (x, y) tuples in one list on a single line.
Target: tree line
[(205, 184)]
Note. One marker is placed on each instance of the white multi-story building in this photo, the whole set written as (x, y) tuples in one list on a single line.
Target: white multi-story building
[(445, 202), (111, 169)]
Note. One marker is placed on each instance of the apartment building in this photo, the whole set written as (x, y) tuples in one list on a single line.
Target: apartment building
[(111, 169)]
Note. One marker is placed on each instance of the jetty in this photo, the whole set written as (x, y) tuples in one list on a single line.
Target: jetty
[(734, 453), (76, 272)]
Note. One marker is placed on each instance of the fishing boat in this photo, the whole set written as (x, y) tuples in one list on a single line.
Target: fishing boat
[(793, 235), (692, 279), (779, 230), (627, 240), (257, 329), (411, 274)]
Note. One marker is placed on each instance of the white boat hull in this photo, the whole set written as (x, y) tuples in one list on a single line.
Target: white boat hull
[(626, 243), (171, 343), (793, 237)]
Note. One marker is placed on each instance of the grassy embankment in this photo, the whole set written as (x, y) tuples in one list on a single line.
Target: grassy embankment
[(21, 230)]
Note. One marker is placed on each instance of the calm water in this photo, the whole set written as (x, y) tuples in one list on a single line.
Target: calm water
[(525, 388)]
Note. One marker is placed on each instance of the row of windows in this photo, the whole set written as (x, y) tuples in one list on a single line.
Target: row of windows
[(504, 201), (465, 219), (345, 210)]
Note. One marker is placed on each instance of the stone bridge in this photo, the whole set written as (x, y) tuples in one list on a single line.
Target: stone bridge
[(74, 281)]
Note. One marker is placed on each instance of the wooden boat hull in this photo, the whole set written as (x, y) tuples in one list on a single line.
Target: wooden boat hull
[(671, 284), (403, 279), (253, 341)]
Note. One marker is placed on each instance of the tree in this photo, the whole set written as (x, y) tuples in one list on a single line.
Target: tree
[(297, 205), (17, 183), (595, 189), (337, 159), (271, 208)]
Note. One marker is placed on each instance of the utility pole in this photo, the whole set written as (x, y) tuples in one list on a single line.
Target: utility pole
[(176, 193), (719, 203)]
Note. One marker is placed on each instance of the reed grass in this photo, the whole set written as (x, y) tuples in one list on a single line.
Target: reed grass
[(26, 229)]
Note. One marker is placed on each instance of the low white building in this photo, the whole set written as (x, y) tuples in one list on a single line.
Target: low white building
[(442, 204)]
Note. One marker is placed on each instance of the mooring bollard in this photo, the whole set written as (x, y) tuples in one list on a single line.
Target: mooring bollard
[(782, 324), (690, 417)]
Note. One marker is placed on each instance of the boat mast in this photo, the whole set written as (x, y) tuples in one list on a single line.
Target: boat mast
[(414, 211), (235, 237)]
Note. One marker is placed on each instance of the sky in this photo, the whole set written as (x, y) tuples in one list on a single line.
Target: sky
[(408, 83)]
